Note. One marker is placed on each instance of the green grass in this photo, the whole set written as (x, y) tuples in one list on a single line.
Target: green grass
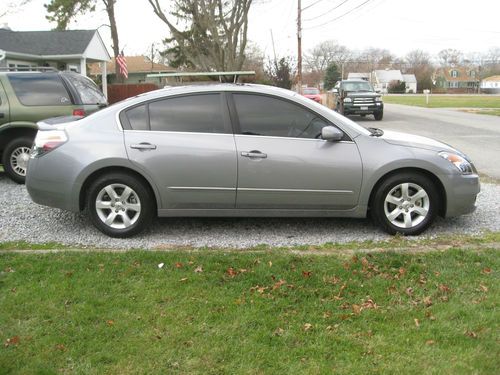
[(446, 101), (269, 312)]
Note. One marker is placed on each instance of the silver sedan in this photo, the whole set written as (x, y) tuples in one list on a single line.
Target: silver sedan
[(242, 150)]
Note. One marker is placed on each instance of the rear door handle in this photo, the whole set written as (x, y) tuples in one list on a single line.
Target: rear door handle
[(254, 154), (143, 146)]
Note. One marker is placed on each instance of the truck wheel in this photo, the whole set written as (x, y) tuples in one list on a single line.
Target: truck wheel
[(120, 205), (405, 203), (15, 158), (379, 115)]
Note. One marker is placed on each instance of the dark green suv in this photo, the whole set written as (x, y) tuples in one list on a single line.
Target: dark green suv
[(29, 97), (357, 97)]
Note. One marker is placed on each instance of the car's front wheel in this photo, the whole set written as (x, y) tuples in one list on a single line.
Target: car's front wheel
[(405, 203), (120, 205), (15, 158), (378, 115)]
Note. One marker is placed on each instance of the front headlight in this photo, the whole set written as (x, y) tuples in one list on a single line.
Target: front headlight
[(378, 98), (458, 161), (347, 100)]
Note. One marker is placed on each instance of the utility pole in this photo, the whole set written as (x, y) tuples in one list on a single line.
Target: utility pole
[(274, 50), (299, 47)]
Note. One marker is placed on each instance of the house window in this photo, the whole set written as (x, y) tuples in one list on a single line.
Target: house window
[(454, 73), (453, 85), (472, 73)]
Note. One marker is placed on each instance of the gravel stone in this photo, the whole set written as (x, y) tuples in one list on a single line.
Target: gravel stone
[(23, 220)]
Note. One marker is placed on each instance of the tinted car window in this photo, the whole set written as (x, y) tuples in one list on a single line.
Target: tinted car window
[(38, 89), (194, 113), (87, 89), (265, 115), (137, 117)]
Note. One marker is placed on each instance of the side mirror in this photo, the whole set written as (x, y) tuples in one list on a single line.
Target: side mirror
[(331, 134), (378, 91)]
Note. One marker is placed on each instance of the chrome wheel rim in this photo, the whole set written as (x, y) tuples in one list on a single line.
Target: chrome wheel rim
[(19, 160), (118, 206), (406, 205)]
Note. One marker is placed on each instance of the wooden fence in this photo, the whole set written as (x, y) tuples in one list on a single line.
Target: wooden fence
[(120, 92)]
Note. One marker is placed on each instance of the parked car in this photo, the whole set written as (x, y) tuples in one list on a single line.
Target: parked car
[(242, 150), (28, 97), (312, 93), (357, 97)]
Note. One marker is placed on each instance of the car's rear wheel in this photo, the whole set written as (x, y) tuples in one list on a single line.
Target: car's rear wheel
[(120, 205), (405, 203), (15, 158)]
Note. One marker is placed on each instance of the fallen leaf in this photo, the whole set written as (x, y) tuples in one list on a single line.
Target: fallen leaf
[(417, 322), (356, 309), (401, 272), (279, 284), (365, 262), (13, 290), (178, 265), (190, 262), (409, 291), (422, 280), (198, 269), (437, 273), (110, 322), (329, 328), (354, 259), (270, 264), (471, 334), (487, 270), (306, 274), (183, 279), (430, 342), (231, 272), (9, 269), (444, 288), (61, 347), (308, 326), (327, 314), (484, 288), (161, 265), (369, 304), (278, 332), (427, 301), (12, 341)]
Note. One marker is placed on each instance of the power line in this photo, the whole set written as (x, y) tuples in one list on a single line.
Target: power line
[(313, 4), (328, 11), (341, 16)]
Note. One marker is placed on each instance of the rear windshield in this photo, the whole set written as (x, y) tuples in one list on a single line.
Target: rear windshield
[(35, 89), (87, 89)]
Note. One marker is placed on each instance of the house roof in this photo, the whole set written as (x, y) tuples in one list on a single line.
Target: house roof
[(492, 79), (46, 43), (386, 76), (463, 74), (409, 78), (135, 64)]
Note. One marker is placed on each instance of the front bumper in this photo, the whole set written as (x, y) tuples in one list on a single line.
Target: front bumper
[(355, 109), (461, 194)]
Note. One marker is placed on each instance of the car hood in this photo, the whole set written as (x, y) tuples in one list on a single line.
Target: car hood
[(411, 140)]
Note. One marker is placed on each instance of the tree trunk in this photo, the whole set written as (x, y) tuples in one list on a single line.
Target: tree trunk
[(110, 9)]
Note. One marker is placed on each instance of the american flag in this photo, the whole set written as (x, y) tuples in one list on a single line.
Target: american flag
[(122, 64)]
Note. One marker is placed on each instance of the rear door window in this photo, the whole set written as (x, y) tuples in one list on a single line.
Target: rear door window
[(138, 117), (39, 89)]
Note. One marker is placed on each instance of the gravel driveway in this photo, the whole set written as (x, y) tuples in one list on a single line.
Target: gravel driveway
[(23, 220)]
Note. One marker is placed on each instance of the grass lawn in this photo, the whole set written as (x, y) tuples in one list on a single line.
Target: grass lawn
[(446, 101), (250, 312)]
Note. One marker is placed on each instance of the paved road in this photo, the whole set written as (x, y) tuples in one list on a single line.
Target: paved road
[(476, 135)]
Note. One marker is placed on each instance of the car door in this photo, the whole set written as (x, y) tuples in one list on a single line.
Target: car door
[(4, 107), (283, 163), (185, 145)]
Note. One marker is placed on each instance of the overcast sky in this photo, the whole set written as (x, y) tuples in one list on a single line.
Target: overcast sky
[(397, 25)]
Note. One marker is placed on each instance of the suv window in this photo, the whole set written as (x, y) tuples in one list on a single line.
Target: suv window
[(87, 89), (269, 116), (39, 89), (193, 113)]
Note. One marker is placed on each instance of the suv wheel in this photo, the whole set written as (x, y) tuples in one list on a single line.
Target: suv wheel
[(119, 205), (378, 115), (15, 158), (405, 203)]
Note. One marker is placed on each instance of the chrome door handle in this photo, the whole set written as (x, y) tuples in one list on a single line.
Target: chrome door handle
[(254, 154), (143, 146)]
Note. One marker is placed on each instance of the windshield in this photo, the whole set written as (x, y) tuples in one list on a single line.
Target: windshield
[(88, 90), (357, 86), (310, 91)]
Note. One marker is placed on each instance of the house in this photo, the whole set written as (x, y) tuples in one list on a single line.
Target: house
[(138, 68), (411, 83), (62, 50), (363, 76), (490, 85), (456, 79)]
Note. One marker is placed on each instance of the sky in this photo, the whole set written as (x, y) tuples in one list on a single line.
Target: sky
[(397, 25)]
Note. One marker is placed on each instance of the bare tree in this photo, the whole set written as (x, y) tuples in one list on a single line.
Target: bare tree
[(450, 57), (419, 63), (326, 53), (208, 34)]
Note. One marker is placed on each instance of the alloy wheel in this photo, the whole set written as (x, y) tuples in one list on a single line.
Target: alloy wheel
[(118, 206), (406, 205), (19, 160)]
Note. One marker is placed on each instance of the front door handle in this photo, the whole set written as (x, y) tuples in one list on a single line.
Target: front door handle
[(254, 154), (143, 146)]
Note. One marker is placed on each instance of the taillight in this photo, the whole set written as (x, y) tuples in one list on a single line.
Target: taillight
[(48, 140), (79, 112)]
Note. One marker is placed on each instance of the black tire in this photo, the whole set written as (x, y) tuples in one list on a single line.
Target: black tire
[(123, 207), (387, 201), (14, 158), (379, 115)]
